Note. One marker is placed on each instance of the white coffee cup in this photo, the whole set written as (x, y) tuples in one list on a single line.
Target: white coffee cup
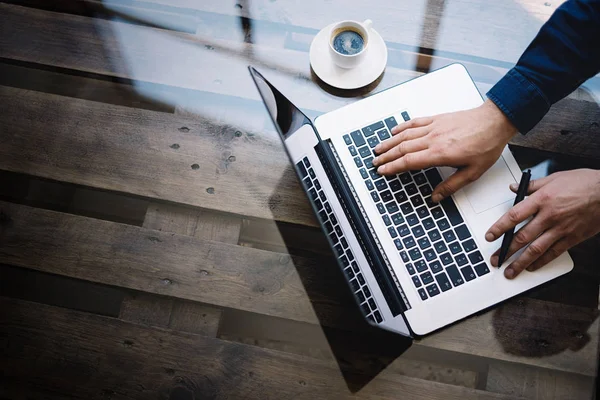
[(348, 54)]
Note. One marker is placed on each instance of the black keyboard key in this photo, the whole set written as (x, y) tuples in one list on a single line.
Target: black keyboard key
[(313, 194), (386, 220), (429, 254), (323, 214), (427, 278), (370, 185), (416, 201), (338, 230), (344, 243), (443, 281), (405, 178), (306, 162), (405, 115), (436, 267), (428, 223), (391, 122), (322, 195), (469, 245), (398, 243), (397, 219), (360, 296), (364, 174), (354, 284), (317, 185), (461, 260), (423, 294), (373, 174), (440, 247), (334, 237), (400, 196), (425, 190), (443, 224), (481, 269), (412, 219), (302, 170), (421, 266), (364, 152), (381, 185), (395, 185), (451, 211), (366, 310), (358, 138), (354, 264), (449, 236), (392, 207), (352, 150), (369, 162), (455, 276), (418, 231), (432, 290), (423, 212), (463, 232), (424, 243), (416, 281), (380, 208), (434, 235), (437, 213), (406, 208), (420, 179), (371, 129), (429, 202), (475, 257), (468, 273), (409, 242), (383, 134), (318, 204), (349, 273), (367, 292), (375, 196), (360, 278), (338, 249), (373, 141), (392, 232), (404, 256), (347, 139), (358, 162), (312, 174), (411, 189), (377, 315), (410, 269), (454, 247), (334, 221), (414, 254), (386, 196), (344, 261), (307, 182), (372, 303), (403, 230), (433, 176), (446, 258), (328, 227)]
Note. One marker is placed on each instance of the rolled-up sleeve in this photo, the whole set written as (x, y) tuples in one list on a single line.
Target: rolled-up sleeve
[(563, 55)]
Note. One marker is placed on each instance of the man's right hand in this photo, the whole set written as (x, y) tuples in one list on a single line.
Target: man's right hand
[(470, 140)]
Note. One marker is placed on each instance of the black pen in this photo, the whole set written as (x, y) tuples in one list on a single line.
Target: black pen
[(508, 236)]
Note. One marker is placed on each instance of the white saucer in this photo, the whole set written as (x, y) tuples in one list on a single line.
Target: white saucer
[(363, 74)]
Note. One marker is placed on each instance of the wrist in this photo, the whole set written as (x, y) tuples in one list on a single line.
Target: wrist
[(500, 122)]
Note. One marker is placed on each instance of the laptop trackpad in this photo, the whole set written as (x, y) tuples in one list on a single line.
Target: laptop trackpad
[(492, 188)]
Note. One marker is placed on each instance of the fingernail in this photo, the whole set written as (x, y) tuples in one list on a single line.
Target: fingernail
[(436, 198), (509, 273), (381, 169), (394, 130), (530, 268), (513, 186), (375, 161), (489, 237), (377, 148), (494, 260)]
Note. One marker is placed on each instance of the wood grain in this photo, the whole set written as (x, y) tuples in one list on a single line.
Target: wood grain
[(78, 355)]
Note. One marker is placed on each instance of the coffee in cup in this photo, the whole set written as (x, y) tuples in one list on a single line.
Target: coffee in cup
[(349, 42)]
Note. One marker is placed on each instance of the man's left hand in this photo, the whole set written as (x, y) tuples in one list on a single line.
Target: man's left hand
[(565, 207)]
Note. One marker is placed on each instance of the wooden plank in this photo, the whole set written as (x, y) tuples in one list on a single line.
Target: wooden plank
[(538, 384), (146, 309), (550, 335), (187, 316), (160, 156), (112, 358)]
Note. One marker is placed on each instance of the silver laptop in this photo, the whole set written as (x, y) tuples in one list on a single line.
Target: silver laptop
[(412, 265)]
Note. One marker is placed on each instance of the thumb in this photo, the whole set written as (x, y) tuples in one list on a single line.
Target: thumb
[(455, 182), (534, 185)]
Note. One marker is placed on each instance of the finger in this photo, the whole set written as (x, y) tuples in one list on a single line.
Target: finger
[(534, 185), (413, 123), (553, 252), (455, 182), (409, 146), (411, 161), (512, 218), (535, 250), (408, 134), (524, 236)]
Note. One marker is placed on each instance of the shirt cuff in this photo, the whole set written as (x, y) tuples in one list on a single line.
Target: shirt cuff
[(521, 101)]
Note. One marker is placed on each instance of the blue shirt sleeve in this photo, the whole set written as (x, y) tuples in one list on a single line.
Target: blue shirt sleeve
[(563, 55)]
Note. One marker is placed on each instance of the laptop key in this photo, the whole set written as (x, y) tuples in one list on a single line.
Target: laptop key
[(405, 178), (370, 185), (312, 174), (363, 173), (328, 227), (469, 245), (454, 275), (416, 201), (395, 185), (423, 294), (354, 284), (446, 258), (358, 161), (475, 257), (420, 266), (468, 273), (412, 219), (434, 235), (398, 243), (405, 115), (360, 278), (367, 292), (451, 211), (429, 202), (334, 221), (317, 185), (390, 122), (425, 190), (433, 176), (454, 248), (339, 250), (418, 231), (411, 189), (435, 267), (365, 308), (404, 256), (386, 220), (383, 134), (360, 296), (461, 260), (427, 278), (380, 184), (306, 162), (406, 208), (323, 214), (428, 223), (378, 317), (369, 162), (302, 170), (424, 243), (338, 230), (322, 195), (373, 174), (420, 179), (409, 242), (392, 207), (307, 182), (375, 196), (352, 150), (423, 212), (410, 269), (416, 281), (373, 141), (344, 261), (414, 254), (400, 196), (463, 232), (432, 290), (386, 196), (318, 204), (381, 208), (364, 151), (440, 247), (403, 230), (397, 219), (443, 281), (349, 273), (481, 269), (392, 232), (371, 129), (350, 255), (344, 243), (443, 224), (437, 213), (347, 139), (354, 265), (313, 194), (449, 236), (429, 254)]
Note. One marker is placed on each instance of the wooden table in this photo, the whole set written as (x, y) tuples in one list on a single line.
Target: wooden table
[(154, 242)]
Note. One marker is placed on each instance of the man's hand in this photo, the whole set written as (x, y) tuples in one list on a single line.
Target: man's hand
[(566, 210), (469, 140)]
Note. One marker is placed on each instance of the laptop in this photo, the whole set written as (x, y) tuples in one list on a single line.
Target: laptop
[(413, 266)]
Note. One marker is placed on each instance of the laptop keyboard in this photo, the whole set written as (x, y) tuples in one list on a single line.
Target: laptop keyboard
[(342, 249), (432, 239)]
